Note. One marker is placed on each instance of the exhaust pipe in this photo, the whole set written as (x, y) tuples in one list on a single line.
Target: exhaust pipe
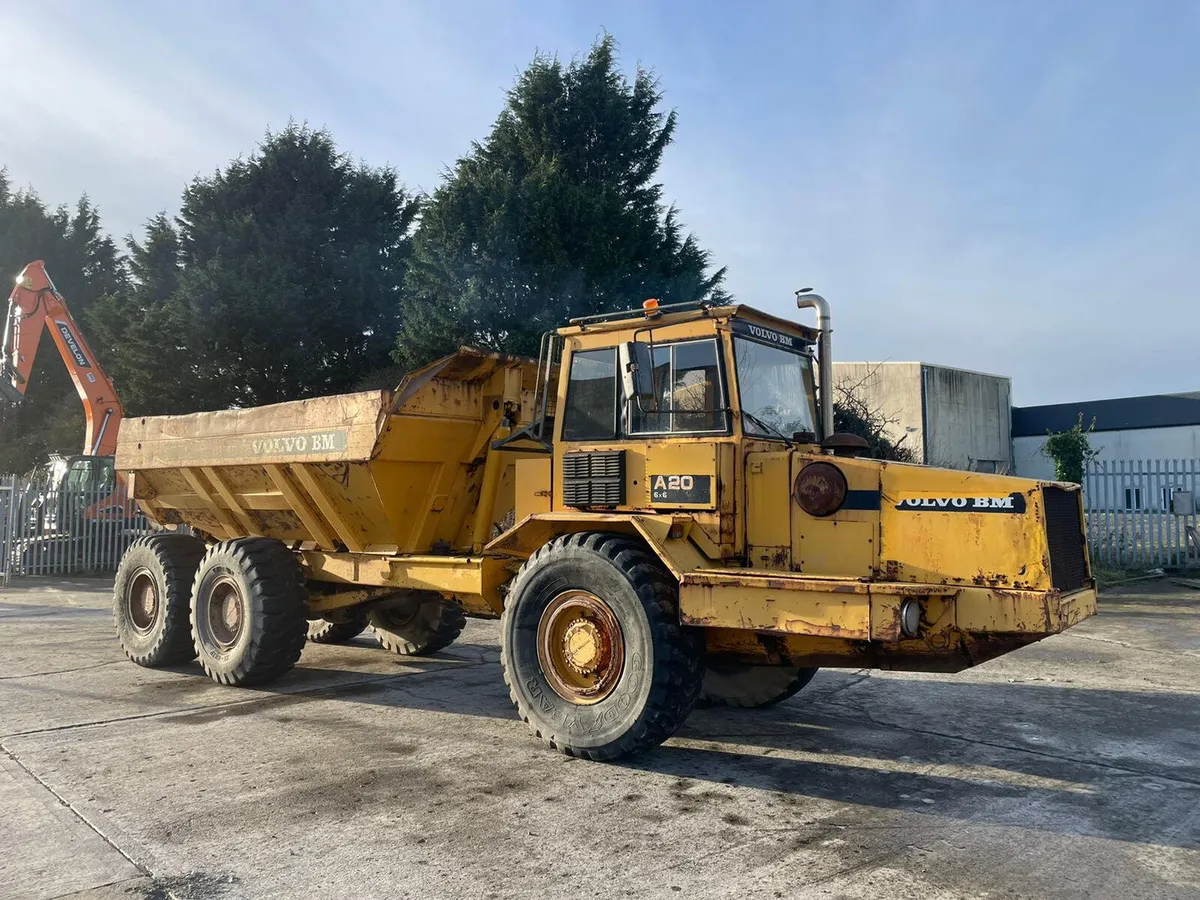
[(805, 299)]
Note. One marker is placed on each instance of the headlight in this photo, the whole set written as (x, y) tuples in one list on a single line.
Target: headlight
[(820, 489), (910, 617)]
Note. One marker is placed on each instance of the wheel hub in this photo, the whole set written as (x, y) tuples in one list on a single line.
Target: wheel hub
[(141, 601), (225, 612), (585, 647), (580, 647)]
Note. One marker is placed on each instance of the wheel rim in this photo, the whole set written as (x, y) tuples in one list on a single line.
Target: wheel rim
[(225, 617), (141, 601), (580, 647)]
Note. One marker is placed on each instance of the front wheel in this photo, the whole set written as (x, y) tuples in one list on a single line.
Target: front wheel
[(596, 661)]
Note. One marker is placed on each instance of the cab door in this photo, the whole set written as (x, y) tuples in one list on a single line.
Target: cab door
[(677, 455)]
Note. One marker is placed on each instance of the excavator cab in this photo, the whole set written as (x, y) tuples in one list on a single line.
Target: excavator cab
[(83, 473), (76, 487)]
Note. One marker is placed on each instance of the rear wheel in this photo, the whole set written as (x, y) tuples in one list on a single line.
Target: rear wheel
[(151, 596), (594, 656), (326, 631), (249, 611), (750, 686), (423, 623)]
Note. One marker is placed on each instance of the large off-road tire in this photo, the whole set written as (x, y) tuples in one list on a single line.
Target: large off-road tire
[(750, 686), (595, 659), (151, 598), (324, 631), (249, 611), (422, 625)]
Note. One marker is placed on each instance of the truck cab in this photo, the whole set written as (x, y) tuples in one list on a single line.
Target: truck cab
[(660, 414)]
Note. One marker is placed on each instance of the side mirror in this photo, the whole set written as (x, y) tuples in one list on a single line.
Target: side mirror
[(637, 374)]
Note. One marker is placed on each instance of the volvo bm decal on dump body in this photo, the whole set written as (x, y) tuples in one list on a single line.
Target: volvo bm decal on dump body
[(320, 442), (1012, 503)]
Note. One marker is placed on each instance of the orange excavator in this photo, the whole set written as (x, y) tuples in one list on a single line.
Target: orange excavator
[(34, 307)]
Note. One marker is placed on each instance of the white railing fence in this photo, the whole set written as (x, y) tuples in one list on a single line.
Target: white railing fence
[(64, 531), (1142, 513)]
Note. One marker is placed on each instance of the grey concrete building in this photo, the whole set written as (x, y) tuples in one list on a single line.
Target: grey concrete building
[(948, 417)]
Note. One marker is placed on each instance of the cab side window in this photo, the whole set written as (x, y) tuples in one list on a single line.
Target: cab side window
[(687, 385), (591, 411), (79, 475), (107, 476)]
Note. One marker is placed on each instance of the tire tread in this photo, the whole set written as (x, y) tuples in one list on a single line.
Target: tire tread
[(445, 631), (323, 631)]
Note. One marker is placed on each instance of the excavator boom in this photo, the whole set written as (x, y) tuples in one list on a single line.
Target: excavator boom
[(34, 306)]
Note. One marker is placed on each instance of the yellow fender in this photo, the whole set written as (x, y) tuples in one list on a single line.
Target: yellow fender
[(666, 535)]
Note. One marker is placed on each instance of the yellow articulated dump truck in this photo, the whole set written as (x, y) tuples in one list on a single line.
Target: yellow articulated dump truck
[(657, 509)]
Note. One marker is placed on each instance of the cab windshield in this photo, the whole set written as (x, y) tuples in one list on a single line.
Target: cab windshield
[(776, 389)]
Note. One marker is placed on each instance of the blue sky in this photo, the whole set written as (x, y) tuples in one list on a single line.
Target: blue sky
[(1005, 187)]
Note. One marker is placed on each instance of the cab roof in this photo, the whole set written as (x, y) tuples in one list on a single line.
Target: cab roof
[(684, 312)]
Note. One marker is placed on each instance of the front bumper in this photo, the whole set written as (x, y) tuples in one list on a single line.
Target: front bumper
[(761, 600), (847, 622)]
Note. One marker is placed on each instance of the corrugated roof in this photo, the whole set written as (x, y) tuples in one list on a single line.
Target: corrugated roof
[(1153, 411)]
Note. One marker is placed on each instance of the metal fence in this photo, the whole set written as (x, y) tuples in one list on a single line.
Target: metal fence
[(64, 531), (1142, 513)]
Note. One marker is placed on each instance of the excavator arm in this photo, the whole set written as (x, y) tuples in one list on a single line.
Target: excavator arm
[(34, 306)]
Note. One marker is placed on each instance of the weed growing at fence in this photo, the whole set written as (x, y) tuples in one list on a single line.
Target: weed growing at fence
[(1070, 451)]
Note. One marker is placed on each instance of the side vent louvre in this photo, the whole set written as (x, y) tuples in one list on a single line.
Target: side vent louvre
[(594, 478)]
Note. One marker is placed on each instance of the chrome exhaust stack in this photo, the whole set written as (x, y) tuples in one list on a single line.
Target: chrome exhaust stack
[(805, 299)]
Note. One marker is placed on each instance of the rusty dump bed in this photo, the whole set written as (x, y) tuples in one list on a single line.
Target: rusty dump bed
[(376, 471)]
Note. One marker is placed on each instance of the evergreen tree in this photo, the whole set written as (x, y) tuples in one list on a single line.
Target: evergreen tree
[(280, 279), (556, 214)]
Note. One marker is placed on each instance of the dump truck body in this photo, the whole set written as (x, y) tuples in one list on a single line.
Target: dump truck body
[(679, 442), (353, 482)]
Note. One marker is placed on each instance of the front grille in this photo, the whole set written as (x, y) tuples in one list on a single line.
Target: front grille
[(594, 478), (1064, 533)]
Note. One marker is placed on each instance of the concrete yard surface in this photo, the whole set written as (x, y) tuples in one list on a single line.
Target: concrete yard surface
[(1070, 769)]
